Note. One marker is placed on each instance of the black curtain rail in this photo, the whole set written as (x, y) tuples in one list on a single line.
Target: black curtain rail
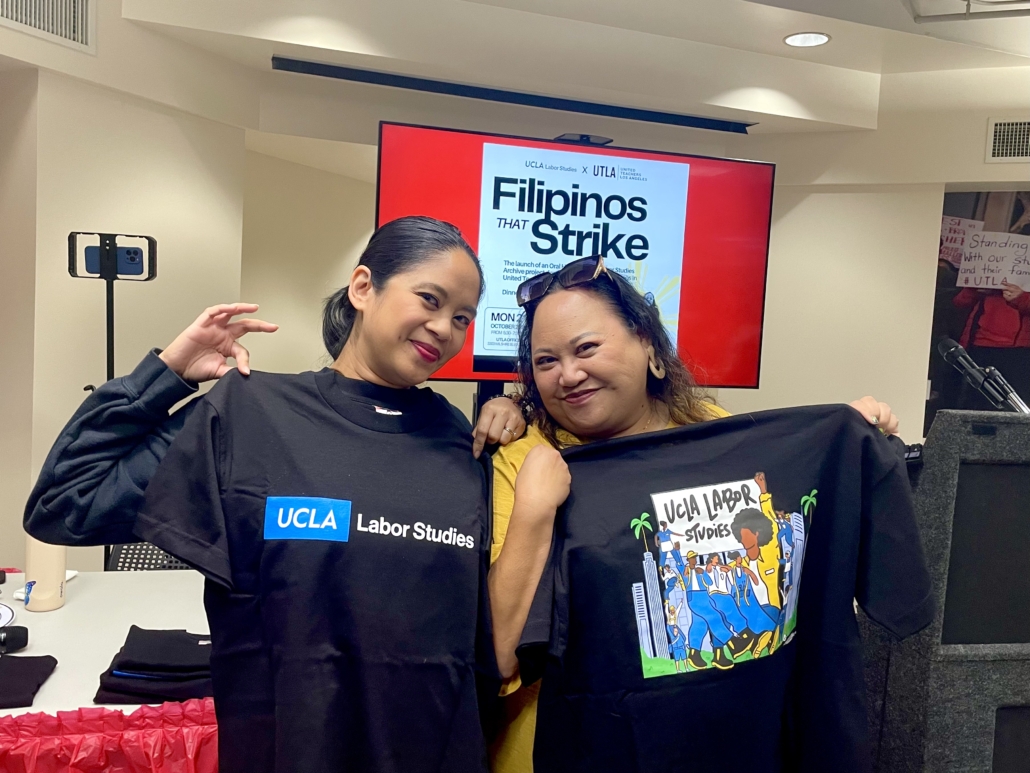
[(356, 75)]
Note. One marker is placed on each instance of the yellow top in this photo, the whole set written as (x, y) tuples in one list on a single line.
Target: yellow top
[(512, 751), (768, 563)]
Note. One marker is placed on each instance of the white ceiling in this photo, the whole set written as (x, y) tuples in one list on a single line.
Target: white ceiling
[(875, 36), (1009, 35), (872, 44), (510, 48), (717, 58)]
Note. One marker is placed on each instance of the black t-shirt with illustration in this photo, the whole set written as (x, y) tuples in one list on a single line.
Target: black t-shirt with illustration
[(343, 528), (698, 609)]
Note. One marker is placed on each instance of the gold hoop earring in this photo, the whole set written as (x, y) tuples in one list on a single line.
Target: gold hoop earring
[(654, 364)]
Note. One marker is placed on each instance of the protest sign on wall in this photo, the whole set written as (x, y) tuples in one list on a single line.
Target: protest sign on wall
[(955, 231)]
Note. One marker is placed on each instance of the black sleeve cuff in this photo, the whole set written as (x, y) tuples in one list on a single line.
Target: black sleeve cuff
[(532, 660), (156, 386)]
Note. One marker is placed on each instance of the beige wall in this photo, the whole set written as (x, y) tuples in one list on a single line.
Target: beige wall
[(856, 227), (303, 230), (139, 60), (850, 299), (17, 302), (108, 161)]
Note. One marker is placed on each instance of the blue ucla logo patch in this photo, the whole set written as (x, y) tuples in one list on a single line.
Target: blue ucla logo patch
[(311, 518)]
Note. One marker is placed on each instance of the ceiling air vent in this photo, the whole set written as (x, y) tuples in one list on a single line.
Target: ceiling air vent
[(1007, 140), (62, 21)]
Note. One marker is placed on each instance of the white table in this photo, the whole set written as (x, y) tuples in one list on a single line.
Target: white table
[(86, 633)]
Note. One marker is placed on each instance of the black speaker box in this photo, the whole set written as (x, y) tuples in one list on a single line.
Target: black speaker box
[(955, 698)]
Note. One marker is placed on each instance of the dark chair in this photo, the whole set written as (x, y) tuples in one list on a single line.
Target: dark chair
[(141, 557)]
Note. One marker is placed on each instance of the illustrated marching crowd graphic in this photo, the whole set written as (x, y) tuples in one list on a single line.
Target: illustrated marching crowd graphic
[(725, 586)]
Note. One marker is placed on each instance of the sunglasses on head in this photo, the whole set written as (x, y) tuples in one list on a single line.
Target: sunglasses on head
[(578, 272)]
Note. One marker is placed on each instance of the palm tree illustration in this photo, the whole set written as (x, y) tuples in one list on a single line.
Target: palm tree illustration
[(640, 527), (808, 502)]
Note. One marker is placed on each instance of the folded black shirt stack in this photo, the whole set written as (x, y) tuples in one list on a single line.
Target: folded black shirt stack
[(158, 666)]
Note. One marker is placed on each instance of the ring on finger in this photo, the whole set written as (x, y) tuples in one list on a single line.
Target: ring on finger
[(874, 420), (509, 431)]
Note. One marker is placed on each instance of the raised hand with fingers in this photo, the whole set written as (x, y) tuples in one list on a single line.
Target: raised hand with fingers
[(500, 421), (200, 352)]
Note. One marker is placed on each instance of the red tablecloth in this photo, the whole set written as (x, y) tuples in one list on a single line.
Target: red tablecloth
[(172, 738)]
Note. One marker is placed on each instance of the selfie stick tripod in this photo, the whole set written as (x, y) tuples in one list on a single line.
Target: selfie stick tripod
[(108, 271)]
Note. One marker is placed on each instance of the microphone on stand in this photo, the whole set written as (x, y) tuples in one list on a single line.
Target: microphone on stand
[(988, 381)]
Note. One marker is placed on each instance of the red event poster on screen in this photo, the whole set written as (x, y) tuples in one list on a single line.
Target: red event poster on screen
[(689, 231)]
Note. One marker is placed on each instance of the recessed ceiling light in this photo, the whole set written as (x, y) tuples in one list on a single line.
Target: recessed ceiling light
[(807, 39)]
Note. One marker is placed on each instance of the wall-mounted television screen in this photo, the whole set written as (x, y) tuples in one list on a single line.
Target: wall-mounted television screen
[(691, 231)]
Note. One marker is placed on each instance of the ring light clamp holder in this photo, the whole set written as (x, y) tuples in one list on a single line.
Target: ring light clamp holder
[(111, 257)]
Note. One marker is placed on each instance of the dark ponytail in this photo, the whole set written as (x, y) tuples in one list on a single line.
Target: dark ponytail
[(337, 320), (394, 248)]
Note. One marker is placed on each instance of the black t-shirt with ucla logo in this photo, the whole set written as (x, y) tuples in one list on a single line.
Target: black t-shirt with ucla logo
[(697, 612), (344, 532)]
